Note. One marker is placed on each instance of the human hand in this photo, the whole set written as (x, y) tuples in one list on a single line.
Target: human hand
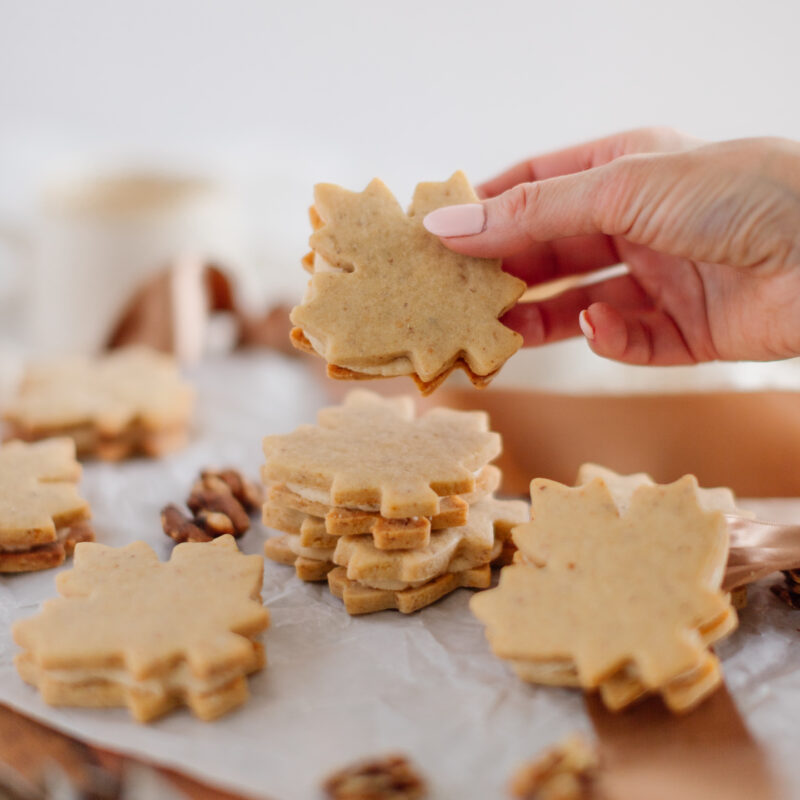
[(710, 233)]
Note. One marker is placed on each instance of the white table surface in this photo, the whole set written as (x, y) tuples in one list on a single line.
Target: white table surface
[(339, 688)]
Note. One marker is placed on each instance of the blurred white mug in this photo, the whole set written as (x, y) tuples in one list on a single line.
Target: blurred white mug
[(96, 240)]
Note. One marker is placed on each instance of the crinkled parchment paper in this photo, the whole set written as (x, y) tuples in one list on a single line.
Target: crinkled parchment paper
[(339, 688)]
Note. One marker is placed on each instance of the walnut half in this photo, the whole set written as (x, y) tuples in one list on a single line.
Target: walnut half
[(388, 778), (567, 771)]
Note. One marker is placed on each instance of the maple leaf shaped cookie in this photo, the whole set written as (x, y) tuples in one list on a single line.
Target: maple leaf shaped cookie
[(38, 491), (603, 592), (131, 630), (372, 453), (133, 392), (622, 487), (450, 550), (388, 298)]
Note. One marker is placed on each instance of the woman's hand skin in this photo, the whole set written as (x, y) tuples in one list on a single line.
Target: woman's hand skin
[(710, 233)]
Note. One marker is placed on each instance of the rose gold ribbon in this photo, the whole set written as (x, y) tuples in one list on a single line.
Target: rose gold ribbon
[(758, 549)]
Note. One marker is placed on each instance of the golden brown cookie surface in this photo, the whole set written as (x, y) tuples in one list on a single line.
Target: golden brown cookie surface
[(387, 298), (627, 600), (372, 452), (129, 401), (131, 630), (42, 515)]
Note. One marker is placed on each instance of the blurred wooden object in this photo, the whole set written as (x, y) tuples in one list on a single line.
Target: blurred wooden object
[(748, 441), (270, 330), (147, 319), (649, 752), (28, 750), (150, 316)]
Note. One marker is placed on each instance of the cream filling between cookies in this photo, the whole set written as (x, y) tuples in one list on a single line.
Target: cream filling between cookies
[(564, 673), (61, 536), (180, 677), (323, 496), (458, 562), (401, 365), (394, 586), (399, 586), (487, 479), (315, 553)]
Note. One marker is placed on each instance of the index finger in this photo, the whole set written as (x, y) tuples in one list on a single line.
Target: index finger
[(586, 156)]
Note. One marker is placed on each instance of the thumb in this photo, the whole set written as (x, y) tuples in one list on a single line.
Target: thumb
[(598, 200)]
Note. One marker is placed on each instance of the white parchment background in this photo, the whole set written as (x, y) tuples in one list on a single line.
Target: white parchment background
[(339, 688)]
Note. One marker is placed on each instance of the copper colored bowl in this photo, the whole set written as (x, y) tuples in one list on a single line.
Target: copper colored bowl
[(749, 441)]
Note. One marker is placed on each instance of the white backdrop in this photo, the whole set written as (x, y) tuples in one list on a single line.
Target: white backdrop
[(274, 96), (277, 95)]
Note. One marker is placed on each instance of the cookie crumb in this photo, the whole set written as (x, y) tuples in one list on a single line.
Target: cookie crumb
[(567, 771), (739, 597)]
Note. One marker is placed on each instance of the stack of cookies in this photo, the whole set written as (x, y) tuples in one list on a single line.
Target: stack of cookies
[(42, 515), (130, 630), (616, 588), (395, 511), (131, 401)]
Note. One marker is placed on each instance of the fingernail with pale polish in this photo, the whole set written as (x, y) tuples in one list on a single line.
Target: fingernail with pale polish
[(586, 327), (464, 220)]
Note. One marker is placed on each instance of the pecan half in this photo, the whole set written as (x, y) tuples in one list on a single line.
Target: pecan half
[(180, 527), (219, 502), (205, 498), (388, 778), (248, 493)]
